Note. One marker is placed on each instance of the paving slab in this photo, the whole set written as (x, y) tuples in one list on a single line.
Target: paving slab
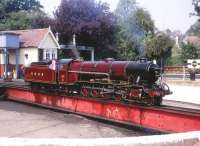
[(19, 120)]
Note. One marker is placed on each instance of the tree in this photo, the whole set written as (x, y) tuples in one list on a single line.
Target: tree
[(125, 9), (158, 46), (126, 40), (17, 20), (128, 24), (134, 24), (144, 20), (19, 5), (19, 14), (196, 4), (92, 22), (9, 6), (190, 51), (2, 10), (127, 48), (194, 30), (41, 20)]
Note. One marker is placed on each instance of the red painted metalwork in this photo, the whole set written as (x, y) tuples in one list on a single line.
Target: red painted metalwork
[(149, 117), (135, 93), (85, 92), (63, 76), (118, 68), (40, 74), (95, 93)]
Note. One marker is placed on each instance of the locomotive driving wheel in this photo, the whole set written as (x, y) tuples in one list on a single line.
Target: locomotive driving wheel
[(95, 93), (85, 92), (158, 101), (153, 101), (150, 101), (65, 90)]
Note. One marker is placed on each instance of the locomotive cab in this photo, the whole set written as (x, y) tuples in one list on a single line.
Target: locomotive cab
[(39, 72)]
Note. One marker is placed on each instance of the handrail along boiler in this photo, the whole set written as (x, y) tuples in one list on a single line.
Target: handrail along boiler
[(130, 81)]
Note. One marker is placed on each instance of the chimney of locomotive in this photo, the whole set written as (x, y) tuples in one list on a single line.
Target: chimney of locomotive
[(74, 50), (74, 40)]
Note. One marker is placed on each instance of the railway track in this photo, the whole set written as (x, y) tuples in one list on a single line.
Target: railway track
[(189, 111), (181, 104)]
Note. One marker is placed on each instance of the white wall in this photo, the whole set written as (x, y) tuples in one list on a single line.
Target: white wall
[(32, 55), (48, 42), (49, 45), (12, 59), (1, 58)]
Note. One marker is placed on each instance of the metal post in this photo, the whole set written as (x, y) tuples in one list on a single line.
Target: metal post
[(161, 69), (5, 63), (184, 73), (74, 49), (17, 63), (92, 55)]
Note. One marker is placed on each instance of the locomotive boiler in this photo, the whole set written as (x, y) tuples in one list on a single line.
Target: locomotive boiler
[(129, 81)]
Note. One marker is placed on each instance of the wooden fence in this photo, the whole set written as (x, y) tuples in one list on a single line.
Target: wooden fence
[(175, 69)]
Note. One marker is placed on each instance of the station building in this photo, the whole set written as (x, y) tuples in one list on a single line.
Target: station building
[(21, 47)]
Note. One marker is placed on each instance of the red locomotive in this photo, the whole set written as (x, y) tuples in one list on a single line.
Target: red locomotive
[(131, 81)]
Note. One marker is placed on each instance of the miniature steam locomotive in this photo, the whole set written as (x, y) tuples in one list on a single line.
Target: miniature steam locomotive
[(129, 81)]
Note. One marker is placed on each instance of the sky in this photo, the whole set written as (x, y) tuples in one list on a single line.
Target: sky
[(172, 14)]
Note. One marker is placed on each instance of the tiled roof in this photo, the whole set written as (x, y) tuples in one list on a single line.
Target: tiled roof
[(31, 37)]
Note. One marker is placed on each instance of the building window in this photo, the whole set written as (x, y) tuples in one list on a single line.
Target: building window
[(41, 55), (53, 55), (47, 55)]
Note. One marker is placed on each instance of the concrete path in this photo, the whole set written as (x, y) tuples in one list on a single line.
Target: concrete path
[(182, 93), (18, 120)]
